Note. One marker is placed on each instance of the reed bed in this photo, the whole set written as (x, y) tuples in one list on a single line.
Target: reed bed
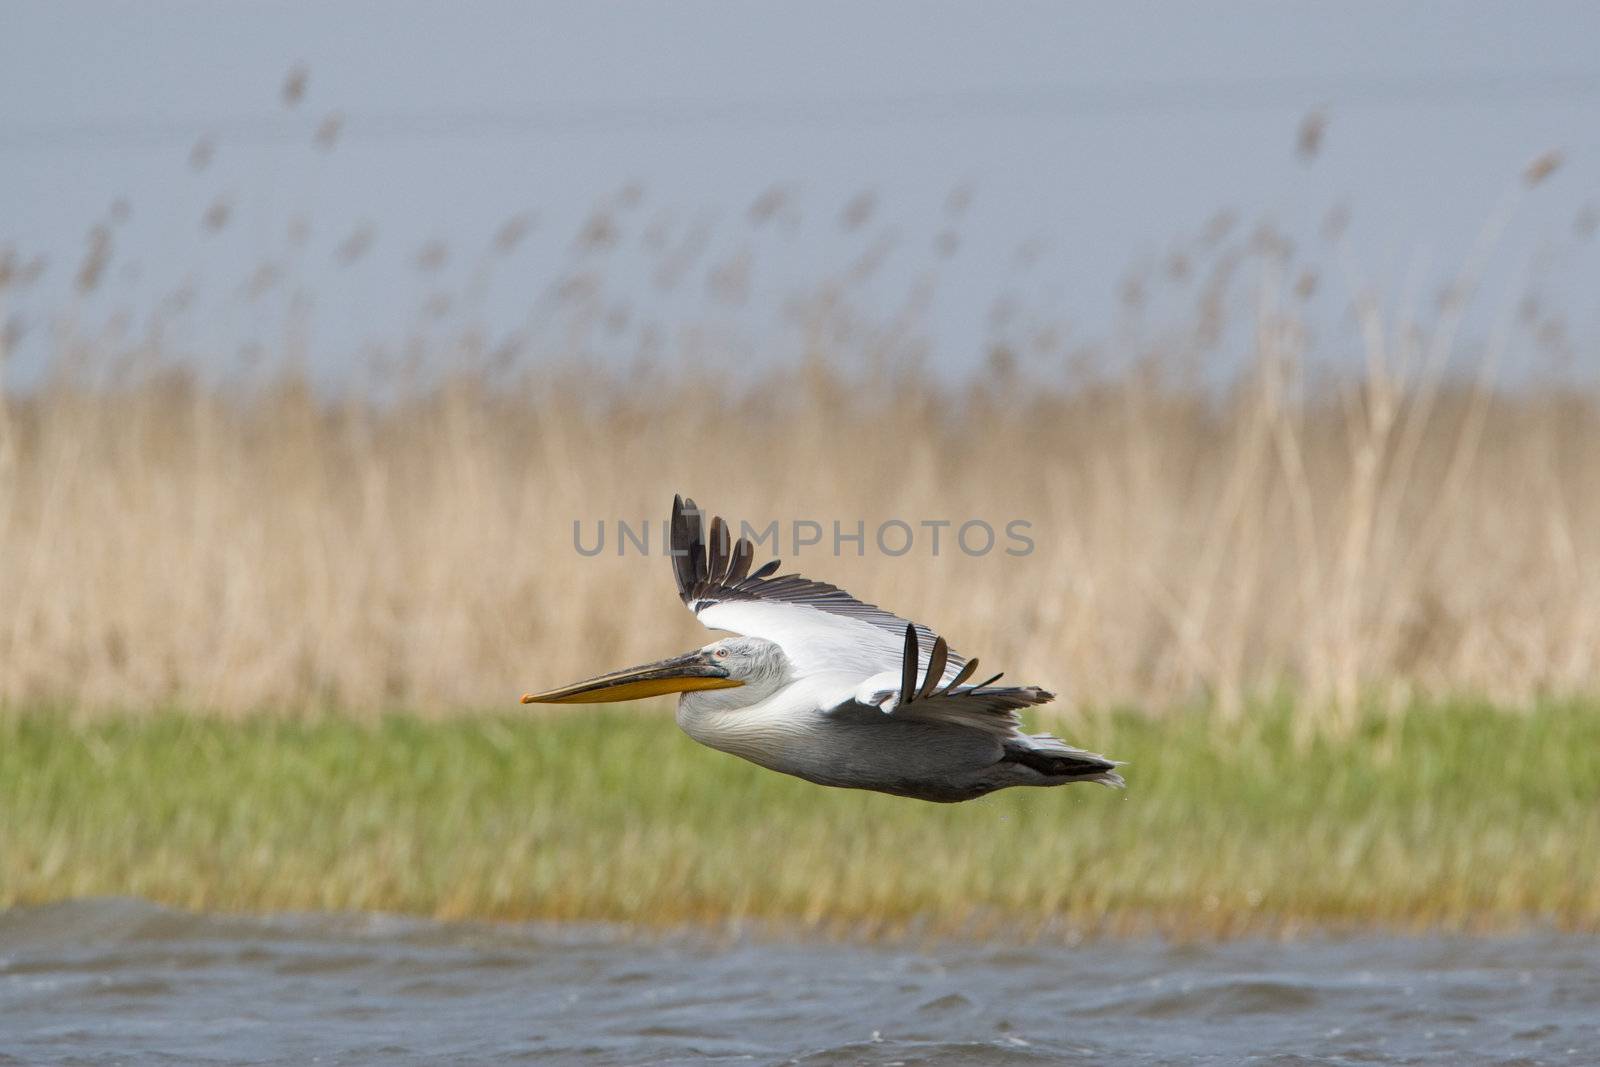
[(1236, 497), (164, 541), (212, 530), (1453, 818)]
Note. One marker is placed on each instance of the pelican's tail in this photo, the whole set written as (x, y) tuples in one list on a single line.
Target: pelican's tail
[(1059, 763)]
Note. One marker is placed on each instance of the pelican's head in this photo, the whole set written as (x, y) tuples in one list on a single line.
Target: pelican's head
[(726, 664)]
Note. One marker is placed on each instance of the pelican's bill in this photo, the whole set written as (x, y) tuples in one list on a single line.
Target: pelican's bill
[(680, 674)]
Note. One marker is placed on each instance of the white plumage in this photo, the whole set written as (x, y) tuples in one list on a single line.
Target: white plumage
[(834, 690)]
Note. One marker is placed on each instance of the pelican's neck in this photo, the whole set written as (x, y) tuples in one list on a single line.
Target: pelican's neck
[(758, 729), (703, 701)]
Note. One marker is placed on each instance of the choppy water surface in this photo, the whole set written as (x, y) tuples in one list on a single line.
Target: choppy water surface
[(122, 981)]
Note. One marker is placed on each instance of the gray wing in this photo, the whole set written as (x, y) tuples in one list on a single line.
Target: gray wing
[(985, 706), (715, 581)]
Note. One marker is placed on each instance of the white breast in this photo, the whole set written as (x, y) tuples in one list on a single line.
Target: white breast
[(773, 732)]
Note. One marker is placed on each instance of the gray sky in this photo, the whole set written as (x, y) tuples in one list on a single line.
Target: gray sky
[(1093, 138)]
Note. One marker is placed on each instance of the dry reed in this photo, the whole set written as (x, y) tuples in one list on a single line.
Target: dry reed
[(164, 541), (1410, 531)]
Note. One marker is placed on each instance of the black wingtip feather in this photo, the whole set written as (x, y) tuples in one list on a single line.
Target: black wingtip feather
[(908, 666), (743, 554), (966, 672), (721, 552), (682, 564), (936, 661), (690, 564)]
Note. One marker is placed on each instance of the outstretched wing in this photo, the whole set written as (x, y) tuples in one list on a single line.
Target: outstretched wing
[(984, 707), (821, 627), (939, 698)]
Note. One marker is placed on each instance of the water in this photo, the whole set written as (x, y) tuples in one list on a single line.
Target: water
[(116, 981)]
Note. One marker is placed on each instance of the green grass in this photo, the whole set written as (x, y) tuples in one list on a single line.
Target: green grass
[(1454, 817)]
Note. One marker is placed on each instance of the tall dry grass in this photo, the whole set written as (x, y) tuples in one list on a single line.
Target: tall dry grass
[(249, 541), (1405, 533)]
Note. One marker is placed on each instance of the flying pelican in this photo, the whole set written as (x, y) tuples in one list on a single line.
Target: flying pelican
[(822, 686)]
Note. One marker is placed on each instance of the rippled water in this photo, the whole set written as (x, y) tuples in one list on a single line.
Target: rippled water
[(123, 981)]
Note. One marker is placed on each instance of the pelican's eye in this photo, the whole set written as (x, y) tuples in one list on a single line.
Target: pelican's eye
[(722, 653)]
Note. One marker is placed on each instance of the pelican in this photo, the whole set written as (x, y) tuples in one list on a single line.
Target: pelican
[(825, 687)]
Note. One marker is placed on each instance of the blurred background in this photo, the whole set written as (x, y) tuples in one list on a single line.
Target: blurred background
[(335, 336), (323, 324)]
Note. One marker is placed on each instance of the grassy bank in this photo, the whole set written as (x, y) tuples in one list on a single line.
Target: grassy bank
[(1455, 817)]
